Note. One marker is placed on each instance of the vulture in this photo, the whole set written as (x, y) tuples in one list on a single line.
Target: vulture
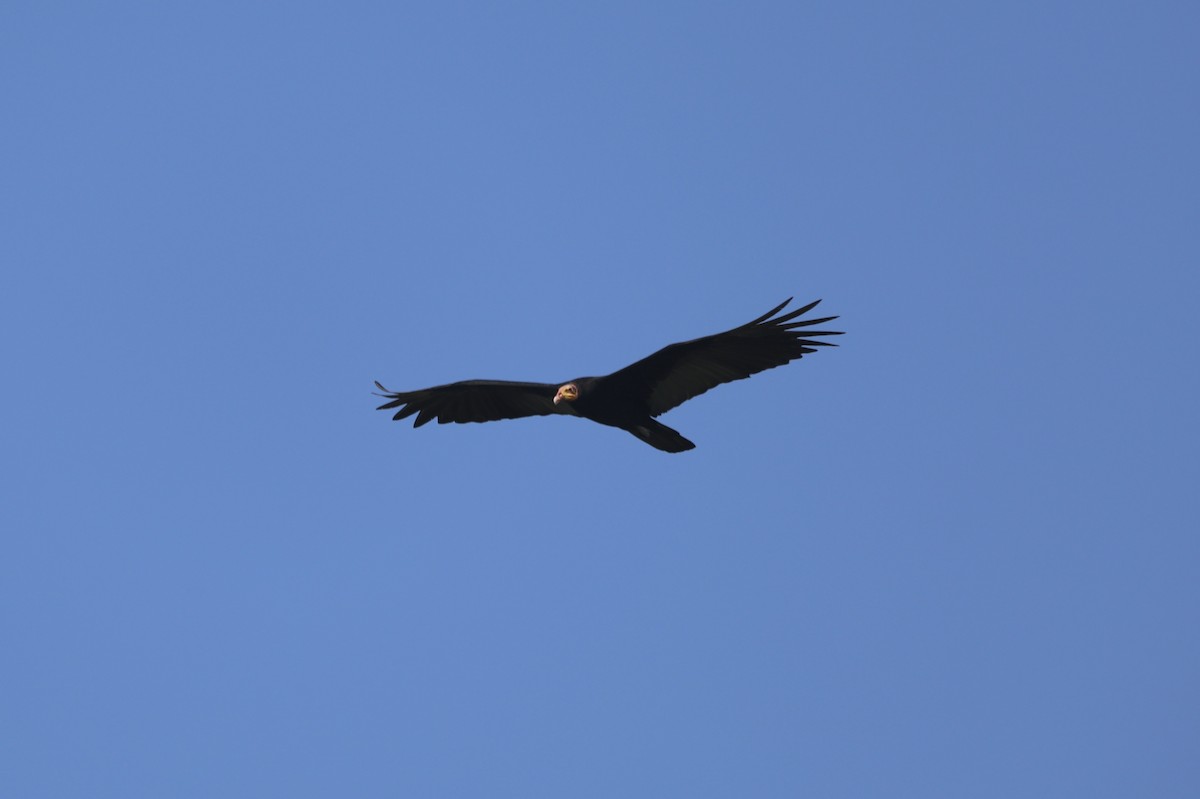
[(632, 397)]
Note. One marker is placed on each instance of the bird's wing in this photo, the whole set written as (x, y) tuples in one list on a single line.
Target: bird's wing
[(473, 401), (675, 374)]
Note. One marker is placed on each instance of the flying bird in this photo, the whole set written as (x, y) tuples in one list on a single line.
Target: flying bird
[(632, 397)]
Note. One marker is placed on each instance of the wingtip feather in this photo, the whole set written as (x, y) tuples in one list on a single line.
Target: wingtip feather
[(770, 313)]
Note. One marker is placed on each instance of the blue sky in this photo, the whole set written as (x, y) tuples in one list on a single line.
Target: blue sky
[(956, 556)]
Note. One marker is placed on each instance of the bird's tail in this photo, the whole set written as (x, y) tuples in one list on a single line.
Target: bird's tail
[(659, 436)]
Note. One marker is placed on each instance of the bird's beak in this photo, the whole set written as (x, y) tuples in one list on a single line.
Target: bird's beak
[(557, 397)]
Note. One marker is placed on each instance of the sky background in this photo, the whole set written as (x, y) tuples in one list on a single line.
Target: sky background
[(956, 556)]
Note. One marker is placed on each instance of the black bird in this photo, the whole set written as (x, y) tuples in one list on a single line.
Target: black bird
[(629, 398)]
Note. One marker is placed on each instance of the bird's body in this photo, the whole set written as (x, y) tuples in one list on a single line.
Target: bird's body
[(603, 401), (632, 397)]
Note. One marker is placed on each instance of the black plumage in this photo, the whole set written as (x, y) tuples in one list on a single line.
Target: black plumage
[(629, 398)]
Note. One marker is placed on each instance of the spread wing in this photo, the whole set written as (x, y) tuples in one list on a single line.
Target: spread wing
[(675, 374), (473, 401)]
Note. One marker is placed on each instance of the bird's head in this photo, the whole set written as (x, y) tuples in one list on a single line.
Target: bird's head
[(568, 392)]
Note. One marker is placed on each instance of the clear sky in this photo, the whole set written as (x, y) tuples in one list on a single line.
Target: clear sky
[(956, 556)]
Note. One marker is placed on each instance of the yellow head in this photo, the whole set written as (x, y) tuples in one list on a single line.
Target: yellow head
[(569, 392)]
